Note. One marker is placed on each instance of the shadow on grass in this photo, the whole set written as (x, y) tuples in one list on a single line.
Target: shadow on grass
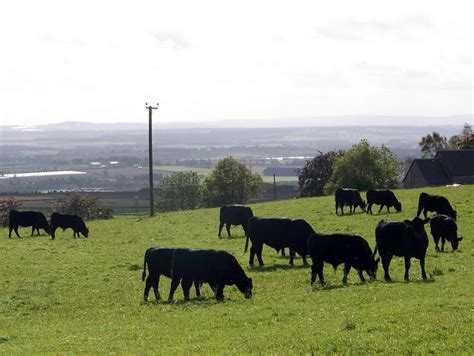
[(276, 268), (203, 300)]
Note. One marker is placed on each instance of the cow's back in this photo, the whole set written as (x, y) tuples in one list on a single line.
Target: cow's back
[(235, 214), (271, 231)]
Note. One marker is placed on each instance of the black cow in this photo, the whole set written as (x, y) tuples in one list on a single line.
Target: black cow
[(436, 203), (406, 238), (159, 260), (218, 268), (444, 227), (350, 197), (384, 197), (66, 221), (234, 215), (335, 249), (35, 219), (278, 233)]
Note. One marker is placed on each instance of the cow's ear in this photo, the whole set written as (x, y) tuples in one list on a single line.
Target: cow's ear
[(427, 220)]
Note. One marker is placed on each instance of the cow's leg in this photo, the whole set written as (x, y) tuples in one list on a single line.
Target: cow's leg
[(425, 212), (292, 256), (221, 225), (422, 265), (258, 251), (155, 282), (220, 291), (197, 286), (381, 207), (407, 268), (283, 252), (361, 275), (386, 264), (10, 228), (16, 231), (33, 231), (320, 273), (252, 254), (304, 260), (347, 268), (147, 289), (186, 285), (53, 230), (174, 285), (388, 209), (227, 227), (436, 241), (313, 273), (443, 241)]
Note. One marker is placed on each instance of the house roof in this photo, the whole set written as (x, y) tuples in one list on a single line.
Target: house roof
[(431, 169), (457, 162)]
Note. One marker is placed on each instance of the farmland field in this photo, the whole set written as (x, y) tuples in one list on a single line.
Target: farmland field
[(85, 295)]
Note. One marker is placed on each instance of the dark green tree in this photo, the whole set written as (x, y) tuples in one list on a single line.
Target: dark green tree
[(178, 191), (365, 167), (315, 174), (432, 143), (230, 182)]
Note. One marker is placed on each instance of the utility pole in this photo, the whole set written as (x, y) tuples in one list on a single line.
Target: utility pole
[(150, 155)]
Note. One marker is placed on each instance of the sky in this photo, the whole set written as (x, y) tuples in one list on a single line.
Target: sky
[(222, 61)]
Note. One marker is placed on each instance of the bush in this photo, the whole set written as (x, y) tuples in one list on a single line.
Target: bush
[(87, 206), (5, 206)]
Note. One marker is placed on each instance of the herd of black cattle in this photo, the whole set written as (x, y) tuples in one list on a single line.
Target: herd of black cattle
[(219, 268)]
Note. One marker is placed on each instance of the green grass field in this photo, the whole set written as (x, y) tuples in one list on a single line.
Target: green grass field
[(85, 295)]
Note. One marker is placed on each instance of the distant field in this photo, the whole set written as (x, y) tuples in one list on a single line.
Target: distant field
[(85, 295)]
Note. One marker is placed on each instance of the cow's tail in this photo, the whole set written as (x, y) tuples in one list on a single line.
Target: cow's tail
[(246, 243), (144, 267), (375, 252)]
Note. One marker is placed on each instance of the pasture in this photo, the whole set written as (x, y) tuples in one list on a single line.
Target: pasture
[(85, 295)]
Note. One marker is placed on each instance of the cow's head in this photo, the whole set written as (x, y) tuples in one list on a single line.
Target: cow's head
[(373, 266), (398, 206), (453, 214), (85, 231), (451, 229), (247, 288), (416, 228)]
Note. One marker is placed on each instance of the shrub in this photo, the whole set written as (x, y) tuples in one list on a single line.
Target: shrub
[(87, 206), (5, 206)]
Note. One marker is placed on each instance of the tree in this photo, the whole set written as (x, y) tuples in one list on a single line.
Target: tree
[(432, 143), (365, 167), (178, 191), (316, 173), (230, 182), (87, 206), (463, 141)]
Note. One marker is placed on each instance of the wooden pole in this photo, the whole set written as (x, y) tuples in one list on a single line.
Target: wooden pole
[(150, 155)]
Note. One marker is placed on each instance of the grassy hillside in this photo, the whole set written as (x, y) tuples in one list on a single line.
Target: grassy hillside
[(85, 295)]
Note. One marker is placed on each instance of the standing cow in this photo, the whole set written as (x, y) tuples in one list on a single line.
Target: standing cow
[(335, 249), (35, 219), (234, 215), (437, 203), (277, 233), (159, 262), (66, 221), (350, 197), (404, 239), (444, 227), (384, 197)]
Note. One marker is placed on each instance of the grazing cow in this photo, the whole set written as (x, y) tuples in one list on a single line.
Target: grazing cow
[(218, 268), (234, 215), (350, 197), (444, 227), (436, 203), (335, 249), (384, 197), (35, 219), (278, 233), (406, 238), (159, 260), (66, 221)]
